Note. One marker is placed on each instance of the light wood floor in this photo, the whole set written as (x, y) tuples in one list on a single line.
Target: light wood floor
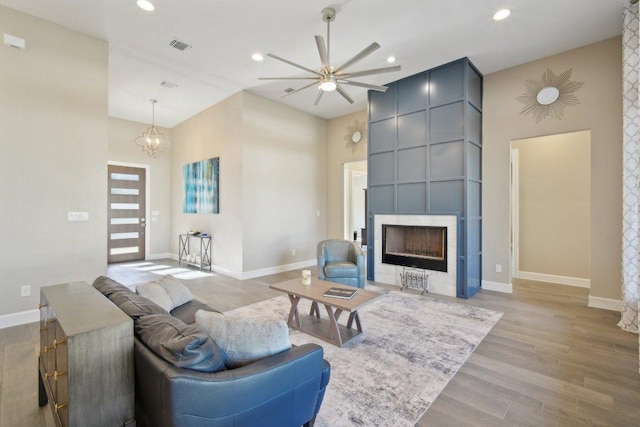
[(550, 360)]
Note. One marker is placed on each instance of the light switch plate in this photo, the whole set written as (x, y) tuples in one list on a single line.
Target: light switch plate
[(78, 216)]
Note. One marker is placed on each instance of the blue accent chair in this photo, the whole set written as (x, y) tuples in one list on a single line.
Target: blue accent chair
[(341, 261)]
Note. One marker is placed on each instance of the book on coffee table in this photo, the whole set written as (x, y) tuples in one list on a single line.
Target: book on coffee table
[(340, 293)]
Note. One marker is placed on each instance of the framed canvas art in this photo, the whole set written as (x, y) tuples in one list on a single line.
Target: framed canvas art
[(201, 192)]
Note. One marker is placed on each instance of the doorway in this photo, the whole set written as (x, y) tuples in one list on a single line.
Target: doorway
[(551, 208), (355, 187), (126, 213)]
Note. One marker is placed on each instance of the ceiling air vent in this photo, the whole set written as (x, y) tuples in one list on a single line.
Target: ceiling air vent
[(289, 89), (177, 44)]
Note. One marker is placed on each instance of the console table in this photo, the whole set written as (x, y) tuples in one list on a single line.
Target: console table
[(184, 250), (86, 357)]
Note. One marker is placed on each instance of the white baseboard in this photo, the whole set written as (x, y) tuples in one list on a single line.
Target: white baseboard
[(255, 273), (550, 278), (497, 286), (161, 256), (277, 269), (20, 318), (605, 303)]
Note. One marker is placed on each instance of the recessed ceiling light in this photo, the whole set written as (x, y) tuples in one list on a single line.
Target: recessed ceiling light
[(146, 5), (391, 59), (501, 14), (257, 57)]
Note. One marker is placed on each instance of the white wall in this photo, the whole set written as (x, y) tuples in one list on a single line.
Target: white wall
[(53, 158), (284, 184), (122, 148), (272, 183), (554, 206), (339, 153)]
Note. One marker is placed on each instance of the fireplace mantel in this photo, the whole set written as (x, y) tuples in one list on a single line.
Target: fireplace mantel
[(439, 282)]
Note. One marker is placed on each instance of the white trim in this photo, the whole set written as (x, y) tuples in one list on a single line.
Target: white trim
[(497, 286), (19, 318), (277, 269), (256, 273), (605, 303), (147, 197), (161, 256), (560, 280), (515, 211)]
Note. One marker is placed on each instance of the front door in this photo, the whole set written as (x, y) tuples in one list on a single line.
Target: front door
[(126, 214)]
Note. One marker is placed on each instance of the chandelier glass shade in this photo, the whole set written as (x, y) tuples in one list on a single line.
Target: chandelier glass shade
[(152, 140)]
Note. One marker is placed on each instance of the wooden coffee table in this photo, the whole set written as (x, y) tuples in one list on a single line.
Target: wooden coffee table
[(325, 329)]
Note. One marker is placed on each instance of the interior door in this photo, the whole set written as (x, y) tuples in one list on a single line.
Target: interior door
[(126, 214)]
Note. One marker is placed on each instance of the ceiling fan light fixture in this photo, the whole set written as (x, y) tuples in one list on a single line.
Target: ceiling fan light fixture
[(257, 57), (328, 84), (146, 5), (501, 14)]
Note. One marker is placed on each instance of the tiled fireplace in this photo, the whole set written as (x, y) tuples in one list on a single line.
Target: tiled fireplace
[(422, 241)]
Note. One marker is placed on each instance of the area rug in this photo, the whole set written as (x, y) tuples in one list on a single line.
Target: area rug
[(411, 347)]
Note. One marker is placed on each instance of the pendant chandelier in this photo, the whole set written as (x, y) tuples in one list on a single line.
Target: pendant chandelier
[(152, 141)]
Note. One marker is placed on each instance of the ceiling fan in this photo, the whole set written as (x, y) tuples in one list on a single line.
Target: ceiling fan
[(329, 78)]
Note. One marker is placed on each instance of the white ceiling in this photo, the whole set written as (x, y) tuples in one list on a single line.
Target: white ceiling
[(223, 34)]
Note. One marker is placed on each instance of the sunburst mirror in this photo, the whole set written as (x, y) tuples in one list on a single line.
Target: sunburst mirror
[(356, 133), (549, 96)]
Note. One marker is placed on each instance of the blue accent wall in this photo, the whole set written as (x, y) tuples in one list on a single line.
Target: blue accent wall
[(425, 156)]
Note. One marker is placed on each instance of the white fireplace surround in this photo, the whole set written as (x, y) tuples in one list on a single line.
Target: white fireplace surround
[(439, 282)]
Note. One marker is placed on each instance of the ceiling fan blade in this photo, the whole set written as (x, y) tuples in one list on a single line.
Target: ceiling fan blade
[(287, 78), (318, 96), (344, 94), (298, 90), (363, 54), (365, 85), (370, 72), (302, 67), (322, 50)]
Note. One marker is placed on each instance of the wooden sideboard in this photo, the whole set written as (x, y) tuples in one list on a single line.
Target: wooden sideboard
[(86, 357)]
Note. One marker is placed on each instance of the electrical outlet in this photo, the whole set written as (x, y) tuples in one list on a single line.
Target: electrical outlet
[(498, 268), (293, 252), (25, 291)]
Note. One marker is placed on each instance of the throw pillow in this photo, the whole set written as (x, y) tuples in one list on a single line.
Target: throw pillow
[(243, 341), (178, 292), (182, 345), (156, 293)]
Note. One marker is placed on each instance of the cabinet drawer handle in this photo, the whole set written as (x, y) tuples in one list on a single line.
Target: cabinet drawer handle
[(43, 328), (47, 375), (49, 320), (47, 348), (56, 343), (57, 374), (60, 406), (41, 306)]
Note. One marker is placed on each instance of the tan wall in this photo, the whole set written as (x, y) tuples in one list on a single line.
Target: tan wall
[(284, 183), (555, 204), (53, 158), (340, 153), (600, 110), (272, 182), (214, 132), (122, 148)]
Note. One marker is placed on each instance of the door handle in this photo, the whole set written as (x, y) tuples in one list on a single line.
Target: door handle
[(143, 222)]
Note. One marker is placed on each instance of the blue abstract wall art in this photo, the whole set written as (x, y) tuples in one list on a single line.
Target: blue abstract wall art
[(201, 191)]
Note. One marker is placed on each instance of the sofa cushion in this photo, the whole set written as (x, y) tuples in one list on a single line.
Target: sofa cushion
[(177, 291), (187, 312), (135, 305), (167, 292), (156, 293), (108, 286), (242, 340), (341, 269), (182, 345)]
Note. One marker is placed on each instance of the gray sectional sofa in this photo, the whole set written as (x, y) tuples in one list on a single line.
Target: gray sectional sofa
[(181, 378)]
